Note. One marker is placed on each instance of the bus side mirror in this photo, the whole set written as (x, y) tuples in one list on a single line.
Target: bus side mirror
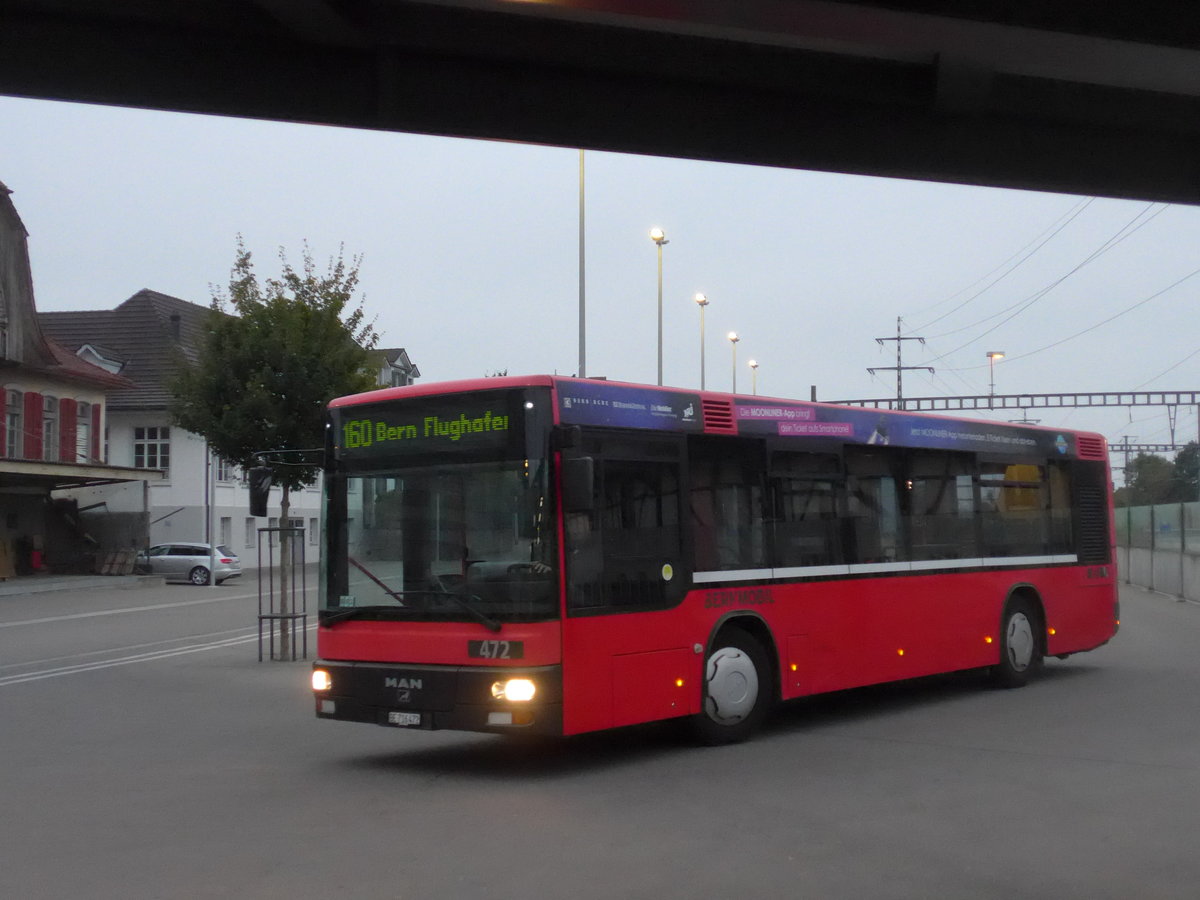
[(260, 488), (566, 437), (579, 478)]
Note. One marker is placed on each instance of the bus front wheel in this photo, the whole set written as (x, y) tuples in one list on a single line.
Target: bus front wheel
[(1020, 645), (737, 689)]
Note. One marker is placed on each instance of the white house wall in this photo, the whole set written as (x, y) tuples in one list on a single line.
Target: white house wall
[(27, 382), (178, 503)]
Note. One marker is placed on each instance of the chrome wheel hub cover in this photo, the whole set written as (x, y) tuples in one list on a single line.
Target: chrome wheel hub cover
[(1019, 641), (732, 686)]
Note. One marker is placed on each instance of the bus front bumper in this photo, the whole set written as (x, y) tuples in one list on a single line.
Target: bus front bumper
[(430, 698)]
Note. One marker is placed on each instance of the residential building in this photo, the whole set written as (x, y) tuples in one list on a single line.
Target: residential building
[(393, 368), (145, 338), (53, 413)]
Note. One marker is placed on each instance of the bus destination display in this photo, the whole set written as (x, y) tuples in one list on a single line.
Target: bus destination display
[(359, 433), (421, 427)]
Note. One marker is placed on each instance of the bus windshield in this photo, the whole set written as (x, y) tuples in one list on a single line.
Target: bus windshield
[(464, 541)]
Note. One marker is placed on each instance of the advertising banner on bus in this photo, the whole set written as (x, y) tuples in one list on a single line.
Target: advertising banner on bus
[(869, 426), (626, 406)]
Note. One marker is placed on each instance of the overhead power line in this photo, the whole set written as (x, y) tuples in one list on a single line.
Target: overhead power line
[(1070, 217), (1021, 306), (1171, 369), (1111, 318)]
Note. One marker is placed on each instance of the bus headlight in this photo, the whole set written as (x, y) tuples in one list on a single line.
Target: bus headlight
[(321, 680), (519, 690)]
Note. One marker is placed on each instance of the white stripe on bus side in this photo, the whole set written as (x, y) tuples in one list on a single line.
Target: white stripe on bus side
[(792, 572)]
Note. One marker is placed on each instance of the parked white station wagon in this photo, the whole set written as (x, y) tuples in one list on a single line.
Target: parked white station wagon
[(180, 561)]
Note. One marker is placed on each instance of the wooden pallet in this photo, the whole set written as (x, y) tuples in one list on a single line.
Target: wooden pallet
[(117, 562)]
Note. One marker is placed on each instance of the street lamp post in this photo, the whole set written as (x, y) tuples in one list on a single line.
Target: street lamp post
[(582, 296), (733, 342), (992, 356), (754, 377), (702, 302), (659, 237)]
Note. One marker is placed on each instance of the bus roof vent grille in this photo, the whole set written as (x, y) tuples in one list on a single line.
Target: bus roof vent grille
[(1090, 447), (718, 416)]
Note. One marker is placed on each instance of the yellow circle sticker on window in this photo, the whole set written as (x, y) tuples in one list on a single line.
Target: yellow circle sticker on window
[(668, 572)]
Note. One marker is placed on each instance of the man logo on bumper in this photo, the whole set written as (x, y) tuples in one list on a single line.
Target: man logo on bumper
[(408, 684)]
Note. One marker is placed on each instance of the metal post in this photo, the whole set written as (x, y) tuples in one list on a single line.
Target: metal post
[(660, 327), (1129, 545), (659, 237), (210, 499), (733, 342), (1182, 552), (582, 317), (1153, 545)]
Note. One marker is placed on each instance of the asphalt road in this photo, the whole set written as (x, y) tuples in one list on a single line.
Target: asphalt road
[(145, 753)]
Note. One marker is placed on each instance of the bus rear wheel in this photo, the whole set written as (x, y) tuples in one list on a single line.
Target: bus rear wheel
[(737, 689), (1020, 645)]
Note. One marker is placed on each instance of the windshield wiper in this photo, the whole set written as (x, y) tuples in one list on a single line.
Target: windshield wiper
[(460, 599), (486, 620), (330, 617)]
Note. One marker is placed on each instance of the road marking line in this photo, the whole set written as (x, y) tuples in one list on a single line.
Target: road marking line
[(126, 609), (248, 629), (127, 660), (123, 661)]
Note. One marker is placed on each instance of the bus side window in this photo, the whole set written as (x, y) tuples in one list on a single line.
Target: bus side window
[(1062, 539), (873, 505), (726, 498), (626, 550), (805, 489), (941, 505), (1013, 514)]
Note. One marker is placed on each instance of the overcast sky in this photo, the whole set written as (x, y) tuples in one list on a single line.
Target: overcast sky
[(470, 258)]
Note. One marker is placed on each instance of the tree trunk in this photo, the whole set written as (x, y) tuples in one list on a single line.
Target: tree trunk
[(285, 584)]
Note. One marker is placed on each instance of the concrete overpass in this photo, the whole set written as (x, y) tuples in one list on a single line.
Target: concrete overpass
[(1071, 96)]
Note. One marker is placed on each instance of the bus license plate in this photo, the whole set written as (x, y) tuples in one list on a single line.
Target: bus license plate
[(404, 718)]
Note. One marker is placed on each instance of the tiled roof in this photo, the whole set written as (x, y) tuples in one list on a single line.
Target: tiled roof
[(142, 331), (394, 356), (68, 365)]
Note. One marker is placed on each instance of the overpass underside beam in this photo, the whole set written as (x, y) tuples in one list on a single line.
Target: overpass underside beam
[(840, 87)]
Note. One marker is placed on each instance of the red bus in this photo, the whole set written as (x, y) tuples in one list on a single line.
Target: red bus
[(560, 555)]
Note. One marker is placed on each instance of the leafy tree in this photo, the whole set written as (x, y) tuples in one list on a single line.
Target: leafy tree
[(1149, 479), (274, 354), (1187, 473)]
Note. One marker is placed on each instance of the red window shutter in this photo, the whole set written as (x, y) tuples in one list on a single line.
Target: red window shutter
[(33, 425), (95, 450), (66, 430)]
